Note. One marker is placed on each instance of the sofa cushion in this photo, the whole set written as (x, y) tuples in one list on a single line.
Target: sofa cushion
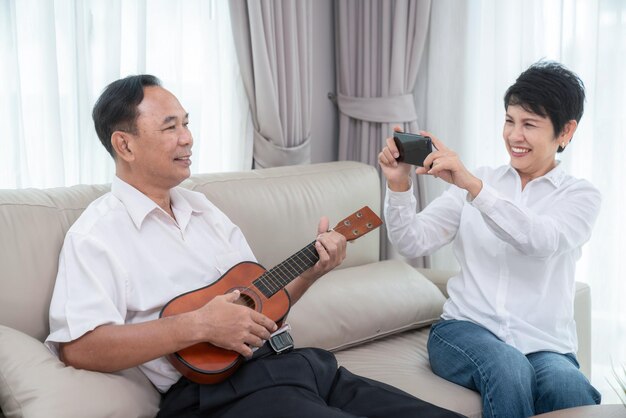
[(278, 208), (33, 224), (34, 383), (357, 304)]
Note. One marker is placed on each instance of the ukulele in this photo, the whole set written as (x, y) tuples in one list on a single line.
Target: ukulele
[(261, 290)]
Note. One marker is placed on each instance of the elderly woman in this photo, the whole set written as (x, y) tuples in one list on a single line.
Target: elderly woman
[(507, 329)]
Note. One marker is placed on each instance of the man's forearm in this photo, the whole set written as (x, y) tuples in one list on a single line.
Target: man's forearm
[(298, 287), (110, 348)]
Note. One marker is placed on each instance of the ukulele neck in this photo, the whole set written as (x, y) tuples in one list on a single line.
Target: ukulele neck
[(282, 274)]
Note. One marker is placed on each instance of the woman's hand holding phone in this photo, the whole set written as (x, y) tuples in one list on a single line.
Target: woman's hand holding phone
[(445, 164), (396, 173), (430, 155)]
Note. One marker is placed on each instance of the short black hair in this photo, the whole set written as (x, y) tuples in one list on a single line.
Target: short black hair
[(116, 108), (549, 89)]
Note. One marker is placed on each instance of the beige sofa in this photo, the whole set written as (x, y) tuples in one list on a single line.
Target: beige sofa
[(374, 314)]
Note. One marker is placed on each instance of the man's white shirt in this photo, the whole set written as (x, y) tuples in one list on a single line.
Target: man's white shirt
[(125, 258)]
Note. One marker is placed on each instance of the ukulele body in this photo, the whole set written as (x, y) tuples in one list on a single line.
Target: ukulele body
[(204, 362), (261, 290)]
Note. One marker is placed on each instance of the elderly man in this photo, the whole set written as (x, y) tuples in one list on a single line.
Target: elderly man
[(146, 242)]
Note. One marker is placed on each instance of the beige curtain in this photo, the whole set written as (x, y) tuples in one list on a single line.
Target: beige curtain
[(379, 46), (274, 48)]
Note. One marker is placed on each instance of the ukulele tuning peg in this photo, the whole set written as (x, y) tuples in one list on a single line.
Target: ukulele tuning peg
[(359, 215), (355, 232), (369, 225), (347, 222)]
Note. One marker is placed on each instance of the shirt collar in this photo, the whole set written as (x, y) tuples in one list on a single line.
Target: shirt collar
[(554, 176), (139, 206), (185, 203)]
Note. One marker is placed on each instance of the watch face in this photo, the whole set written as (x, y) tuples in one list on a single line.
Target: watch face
[(281, 342)]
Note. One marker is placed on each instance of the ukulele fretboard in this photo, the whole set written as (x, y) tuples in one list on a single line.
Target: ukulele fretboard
[(282, 274)]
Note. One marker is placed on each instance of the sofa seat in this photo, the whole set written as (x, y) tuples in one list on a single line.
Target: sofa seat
[(401, 360)]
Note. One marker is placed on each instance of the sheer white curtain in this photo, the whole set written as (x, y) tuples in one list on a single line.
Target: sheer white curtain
[(476, 50), (57, 56)]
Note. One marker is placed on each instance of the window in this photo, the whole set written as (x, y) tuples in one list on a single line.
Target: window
[(57, 57)]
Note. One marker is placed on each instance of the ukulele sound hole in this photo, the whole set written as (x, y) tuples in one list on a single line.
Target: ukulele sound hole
[(246, 299)]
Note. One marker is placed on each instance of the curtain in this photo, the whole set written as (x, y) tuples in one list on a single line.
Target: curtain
[(274, 46), (475, 51), (379, 46), (57, 57)]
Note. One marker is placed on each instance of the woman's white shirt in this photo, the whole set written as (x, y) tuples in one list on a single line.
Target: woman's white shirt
[(517, 250)]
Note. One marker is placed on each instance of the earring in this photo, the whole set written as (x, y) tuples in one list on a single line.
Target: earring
[(563, 145)]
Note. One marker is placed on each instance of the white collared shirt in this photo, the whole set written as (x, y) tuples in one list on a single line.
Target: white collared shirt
[(517, 251), (125, 258)]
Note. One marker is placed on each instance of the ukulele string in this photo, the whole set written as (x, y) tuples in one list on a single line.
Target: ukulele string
[(249, 302)]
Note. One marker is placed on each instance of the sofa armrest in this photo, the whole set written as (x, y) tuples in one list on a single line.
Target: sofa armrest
[(582, 313)]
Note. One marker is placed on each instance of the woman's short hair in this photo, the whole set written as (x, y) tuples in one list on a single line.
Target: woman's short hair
[(549, 89)]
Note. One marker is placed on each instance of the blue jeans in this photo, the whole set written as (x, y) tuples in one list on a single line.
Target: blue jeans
[(510, 383)]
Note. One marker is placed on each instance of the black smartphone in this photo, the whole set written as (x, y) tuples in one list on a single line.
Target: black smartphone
[(413, 148)]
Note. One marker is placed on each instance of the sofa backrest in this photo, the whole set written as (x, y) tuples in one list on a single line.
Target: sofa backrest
[(277, 210)]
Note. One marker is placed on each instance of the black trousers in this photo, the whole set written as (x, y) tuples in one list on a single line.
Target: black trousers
[(303, 383)]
